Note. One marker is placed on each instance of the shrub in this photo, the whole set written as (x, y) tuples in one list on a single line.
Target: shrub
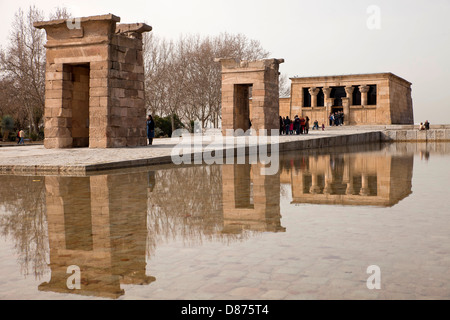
[(164, 124), (158, 132), (34, 136), (7, 125)]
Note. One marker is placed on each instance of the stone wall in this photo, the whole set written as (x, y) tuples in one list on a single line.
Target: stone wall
[(109, 111), (126, 82), (415, 135), (285, 107), (263, 77), (401, 102), (393, 106)]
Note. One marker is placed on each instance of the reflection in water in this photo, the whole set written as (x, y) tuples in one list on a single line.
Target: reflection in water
[(110, 224), (251, 201), (370, 178), (97, 223), (23, 199)]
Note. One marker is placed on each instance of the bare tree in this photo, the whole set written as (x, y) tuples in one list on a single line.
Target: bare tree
[(60, 13), (182, 78), (157, 53), (23, 64), (22, 67), (285, 88)]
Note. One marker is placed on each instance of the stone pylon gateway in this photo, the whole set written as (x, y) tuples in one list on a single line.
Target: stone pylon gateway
[(94, 83), (238, 78)]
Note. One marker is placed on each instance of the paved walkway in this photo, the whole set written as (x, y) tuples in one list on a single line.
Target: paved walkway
[(36, 159)]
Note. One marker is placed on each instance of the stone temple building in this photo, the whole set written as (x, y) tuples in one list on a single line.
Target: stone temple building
[(244, 79), (94, 83), (365, 99)]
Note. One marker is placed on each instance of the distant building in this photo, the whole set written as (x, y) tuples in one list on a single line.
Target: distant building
[(365, 99)]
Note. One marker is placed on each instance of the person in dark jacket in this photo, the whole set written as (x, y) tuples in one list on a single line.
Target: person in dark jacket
[(297, 125), (287, 123), (150, 129)]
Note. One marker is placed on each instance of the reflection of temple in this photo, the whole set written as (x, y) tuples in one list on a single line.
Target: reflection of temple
[(251, 201), (98, 224), (107, 224), (375, 179)]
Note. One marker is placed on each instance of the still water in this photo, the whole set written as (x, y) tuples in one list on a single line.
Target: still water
[(228, 232)]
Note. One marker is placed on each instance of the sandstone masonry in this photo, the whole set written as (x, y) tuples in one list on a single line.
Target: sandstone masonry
[(365, 99), (94, 84), (238, 78)]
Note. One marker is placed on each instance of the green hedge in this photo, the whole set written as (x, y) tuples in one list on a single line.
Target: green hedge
[(163, 126)]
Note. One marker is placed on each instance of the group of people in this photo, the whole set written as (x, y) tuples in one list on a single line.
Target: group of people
[(299, 125), (336, 118), (424, 126)]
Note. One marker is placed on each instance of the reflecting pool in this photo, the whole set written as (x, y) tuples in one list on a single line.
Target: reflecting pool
[(228, 232)]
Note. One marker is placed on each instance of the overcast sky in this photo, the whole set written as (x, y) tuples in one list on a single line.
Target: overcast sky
[(323, 37)]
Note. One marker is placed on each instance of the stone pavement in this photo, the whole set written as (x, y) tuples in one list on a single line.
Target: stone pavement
[(35, 159)]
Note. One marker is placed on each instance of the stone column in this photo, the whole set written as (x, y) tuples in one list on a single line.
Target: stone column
[(327, 188), (346, 108), (350, 190), (328, 181), (328, 101), (364, 90), (349, 91), (315, 189), (314, 92), (326, 92), (364, 185)]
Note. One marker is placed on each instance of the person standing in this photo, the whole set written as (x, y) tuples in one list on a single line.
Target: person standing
[(21, 137), (302, 125), (150, 129), (307, 125), (287, 124), (297, 125)]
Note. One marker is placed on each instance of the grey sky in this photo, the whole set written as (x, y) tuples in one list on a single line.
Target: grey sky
[(325, 37)]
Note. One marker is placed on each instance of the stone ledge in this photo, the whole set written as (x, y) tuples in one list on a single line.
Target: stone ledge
[(435, 134), (286, 143)]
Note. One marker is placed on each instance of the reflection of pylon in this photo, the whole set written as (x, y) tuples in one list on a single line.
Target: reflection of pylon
[(198, 127)]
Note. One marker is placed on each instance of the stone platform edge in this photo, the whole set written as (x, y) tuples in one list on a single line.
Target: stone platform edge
[(439, 134), (308, 144), (377, 136)]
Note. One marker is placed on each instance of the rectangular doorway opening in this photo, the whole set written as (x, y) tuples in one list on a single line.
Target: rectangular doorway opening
[(243, 187), (242, 110), (76, 87)]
